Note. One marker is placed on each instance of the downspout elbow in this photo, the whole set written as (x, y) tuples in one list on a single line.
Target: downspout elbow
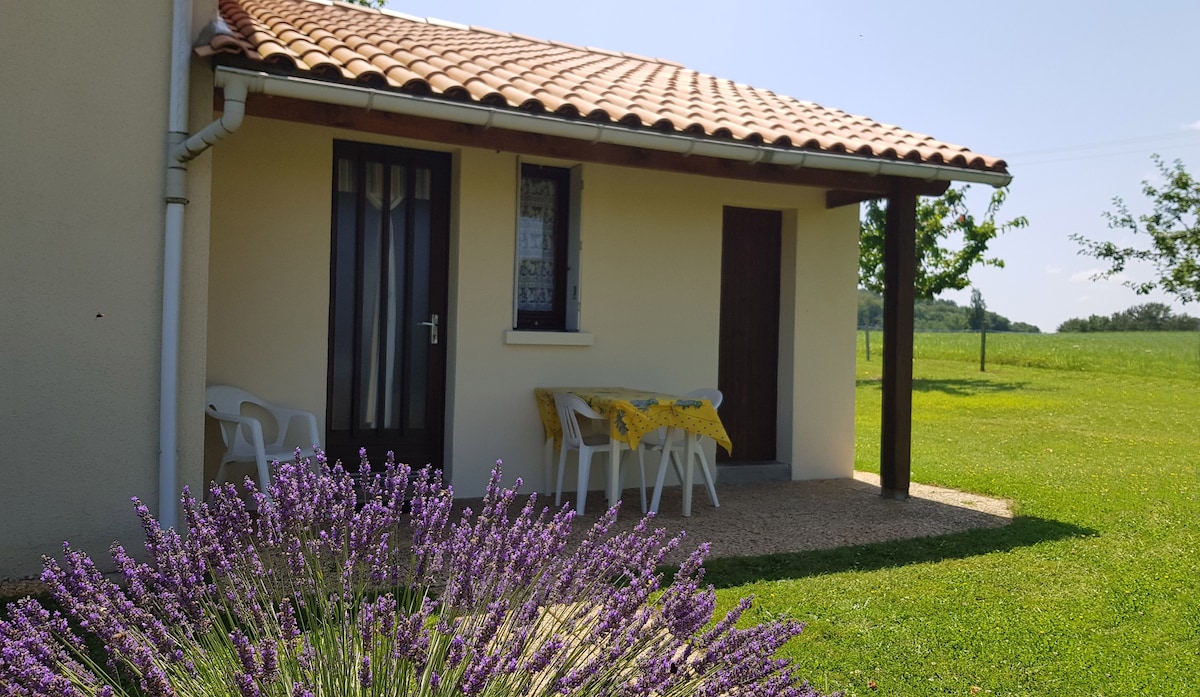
[(230, 121)]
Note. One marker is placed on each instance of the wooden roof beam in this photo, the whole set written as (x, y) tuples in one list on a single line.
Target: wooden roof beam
[(851, 184), (838, 198)]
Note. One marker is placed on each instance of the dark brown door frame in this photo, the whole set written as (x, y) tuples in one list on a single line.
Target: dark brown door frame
[(748, 335), (428, 447)]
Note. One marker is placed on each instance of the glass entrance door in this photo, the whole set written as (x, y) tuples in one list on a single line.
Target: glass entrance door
[(387, 342)]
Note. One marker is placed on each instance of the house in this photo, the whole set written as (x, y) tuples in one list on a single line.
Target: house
[(406, 225)]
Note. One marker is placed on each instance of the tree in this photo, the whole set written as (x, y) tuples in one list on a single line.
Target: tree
[(1173, 226), (977, 311), (870, 309), (939, 220), (977, 316), (1148, 317), (1079, 324)]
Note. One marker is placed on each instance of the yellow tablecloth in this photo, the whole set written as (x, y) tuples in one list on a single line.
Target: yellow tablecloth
[(633, 413)]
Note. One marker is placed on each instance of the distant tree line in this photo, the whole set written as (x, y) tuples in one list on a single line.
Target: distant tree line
[(1148, 317), (937, 316)]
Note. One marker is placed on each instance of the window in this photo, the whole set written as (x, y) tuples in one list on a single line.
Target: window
[(547, 286)]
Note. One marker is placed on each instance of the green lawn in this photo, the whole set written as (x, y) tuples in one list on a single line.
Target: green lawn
[(1093, 590)]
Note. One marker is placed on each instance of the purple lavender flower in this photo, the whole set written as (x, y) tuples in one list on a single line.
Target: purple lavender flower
[(331, 587)]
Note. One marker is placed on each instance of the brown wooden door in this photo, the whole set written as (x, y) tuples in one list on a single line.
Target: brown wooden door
[(387, 325), (749, 342)]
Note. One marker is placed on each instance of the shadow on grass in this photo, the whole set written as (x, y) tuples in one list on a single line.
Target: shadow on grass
[(960, 387), (728, 572), (1024, 531)]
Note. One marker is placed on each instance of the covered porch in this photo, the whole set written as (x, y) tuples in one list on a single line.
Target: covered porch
[(757, 519)]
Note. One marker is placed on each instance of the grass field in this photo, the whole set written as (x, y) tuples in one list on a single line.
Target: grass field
[(1095, 587)]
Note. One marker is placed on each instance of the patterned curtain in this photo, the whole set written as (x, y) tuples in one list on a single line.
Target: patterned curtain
[(535, 245)]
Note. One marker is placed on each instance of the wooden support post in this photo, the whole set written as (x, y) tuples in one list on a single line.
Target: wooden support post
[(899, 291), (983, 348)]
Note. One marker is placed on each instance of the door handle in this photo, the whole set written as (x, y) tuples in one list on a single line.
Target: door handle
[(433, 327)]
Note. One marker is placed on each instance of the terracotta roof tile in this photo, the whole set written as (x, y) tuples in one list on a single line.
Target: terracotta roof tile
[(385, 48)]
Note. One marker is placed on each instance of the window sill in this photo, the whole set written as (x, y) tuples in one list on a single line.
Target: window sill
[(535, 338)]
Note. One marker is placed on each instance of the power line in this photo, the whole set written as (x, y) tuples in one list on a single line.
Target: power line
[(1194, 133), (1095, 156)]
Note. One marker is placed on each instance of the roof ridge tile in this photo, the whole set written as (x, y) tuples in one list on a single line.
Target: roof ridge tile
[(635, 56), (526, 37), (604, 51), (400, 15), (564, 44), (488, 30), (434, 21)]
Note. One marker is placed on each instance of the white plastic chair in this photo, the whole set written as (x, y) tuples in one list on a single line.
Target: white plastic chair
[(570, 408), (243, 434), (658, 440)]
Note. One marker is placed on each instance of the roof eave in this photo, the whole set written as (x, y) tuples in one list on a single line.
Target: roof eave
[(355, 96)]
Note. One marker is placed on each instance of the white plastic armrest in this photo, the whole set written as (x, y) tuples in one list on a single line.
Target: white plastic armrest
[(285, 416), (249, 422), (586, 411)]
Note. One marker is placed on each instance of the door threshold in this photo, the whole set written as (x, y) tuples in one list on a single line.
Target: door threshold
[(753, 472)]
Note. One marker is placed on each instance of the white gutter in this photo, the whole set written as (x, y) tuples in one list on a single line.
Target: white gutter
[(180, 150), (593, 132)]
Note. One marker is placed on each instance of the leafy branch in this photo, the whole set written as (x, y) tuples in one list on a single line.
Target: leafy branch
[(939, 266), (1173, 226)]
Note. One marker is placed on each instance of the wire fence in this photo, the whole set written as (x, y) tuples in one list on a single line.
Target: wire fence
[(1145, 353)]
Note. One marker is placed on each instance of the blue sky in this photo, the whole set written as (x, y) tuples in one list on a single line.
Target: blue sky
[(1074, 95)]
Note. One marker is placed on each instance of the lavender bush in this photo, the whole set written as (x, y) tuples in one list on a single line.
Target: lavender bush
[(315, 596)]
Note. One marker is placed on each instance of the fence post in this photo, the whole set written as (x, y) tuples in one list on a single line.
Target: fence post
[(868, 331), (983, 348)]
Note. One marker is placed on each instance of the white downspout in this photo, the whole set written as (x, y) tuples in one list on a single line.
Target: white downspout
[(176, 198), (180, 149)]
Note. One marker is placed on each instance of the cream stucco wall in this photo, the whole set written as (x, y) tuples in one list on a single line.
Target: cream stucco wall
[(269, 264), (650, 295), (81, 222), (817, 395)]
